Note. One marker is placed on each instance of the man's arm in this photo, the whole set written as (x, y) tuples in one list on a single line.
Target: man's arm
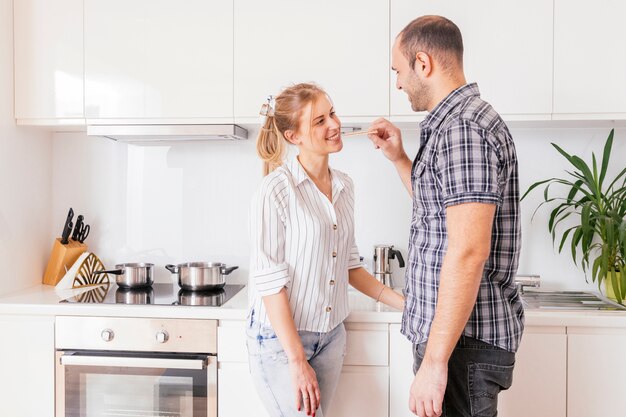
[(469, 242)]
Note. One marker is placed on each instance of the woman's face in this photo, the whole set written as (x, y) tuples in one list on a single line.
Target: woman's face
[(320, 127)]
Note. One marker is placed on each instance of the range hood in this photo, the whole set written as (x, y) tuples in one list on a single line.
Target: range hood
[(168, 133)]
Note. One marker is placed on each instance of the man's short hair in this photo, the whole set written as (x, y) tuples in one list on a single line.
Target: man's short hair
[(437, 36)]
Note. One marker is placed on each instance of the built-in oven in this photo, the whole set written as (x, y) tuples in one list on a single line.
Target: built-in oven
[(135, 367)]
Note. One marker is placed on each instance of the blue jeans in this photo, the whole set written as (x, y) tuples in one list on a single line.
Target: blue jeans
[(271, 374), (477, 372)]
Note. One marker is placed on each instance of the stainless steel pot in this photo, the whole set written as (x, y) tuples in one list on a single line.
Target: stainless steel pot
[(131, 275), (201, 276), (143, 295)]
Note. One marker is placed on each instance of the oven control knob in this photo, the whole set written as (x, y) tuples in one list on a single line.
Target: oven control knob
[(162, 336), (107, 335)]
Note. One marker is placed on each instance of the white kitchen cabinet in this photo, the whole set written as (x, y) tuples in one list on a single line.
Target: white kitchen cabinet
[(508, 51), (342, 46), (595, 370), (48, 48), (236, 395), (164, 59), (589, 63), (400, 372), (540, 375), (539, 380), (27, 366), (362, 391), (363, 388)]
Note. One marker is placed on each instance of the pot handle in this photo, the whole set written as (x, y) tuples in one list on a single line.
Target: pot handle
[(172, 268), (110, 271), (227, 270)]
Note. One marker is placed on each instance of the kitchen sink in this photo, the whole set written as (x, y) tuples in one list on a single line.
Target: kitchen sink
[(568, 300)]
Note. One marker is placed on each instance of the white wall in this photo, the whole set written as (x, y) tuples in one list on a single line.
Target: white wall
[(187, 202), (25, 185)]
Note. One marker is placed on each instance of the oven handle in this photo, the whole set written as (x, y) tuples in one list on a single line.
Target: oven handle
[(161, 363)]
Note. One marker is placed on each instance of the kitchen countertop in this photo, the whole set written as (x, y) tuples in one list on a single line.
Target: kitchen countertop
[(44, 300)]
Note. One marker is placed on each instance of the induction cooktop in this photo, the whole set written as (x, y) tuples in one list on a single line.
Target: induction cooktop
[(157, 294)]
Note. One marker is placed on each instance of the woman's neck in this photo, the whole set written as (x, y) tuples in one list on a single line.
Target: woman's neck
[(316, 166)]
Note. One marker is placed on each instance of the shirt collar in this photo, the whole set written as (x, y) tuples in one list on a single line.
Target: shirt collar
[(441, 110), (300, 176)]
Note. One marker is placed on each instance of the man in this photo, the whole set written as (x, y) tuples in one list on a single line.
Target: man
[(463, 312)]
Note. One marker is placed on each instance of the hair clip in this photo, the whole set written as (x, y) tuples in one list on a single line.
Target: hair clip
[(267, 109)]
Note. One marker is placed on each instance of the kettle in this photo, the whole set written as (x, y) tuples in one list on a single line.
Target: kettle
[(382, 270)]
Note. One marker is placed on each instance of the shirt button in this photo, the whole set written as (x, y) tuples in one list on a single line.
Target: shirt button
[(328, 309), (332, 282), (334, 254), (334, 227)]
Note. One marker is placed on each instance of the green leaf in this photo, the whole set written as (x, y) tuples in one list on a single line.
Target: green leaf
[(575, 239), (584, 168), (606, 156), (595, 268), (565, 234), (574, 190), (535, 185)]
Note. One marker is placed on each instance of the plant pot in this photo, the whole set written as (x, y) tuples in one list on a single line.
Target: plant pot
[(608, 287)]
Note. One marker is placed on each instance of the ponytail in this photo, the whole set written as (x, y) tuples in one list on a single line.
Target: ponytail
[(270, 146)]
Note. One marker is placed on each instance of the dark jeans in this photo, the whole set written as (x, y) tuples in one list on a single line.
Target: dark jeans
[(477, 372)]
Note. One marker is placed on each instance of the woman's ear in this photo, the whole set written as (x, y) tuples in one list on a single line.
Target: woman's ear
[(290, 136)]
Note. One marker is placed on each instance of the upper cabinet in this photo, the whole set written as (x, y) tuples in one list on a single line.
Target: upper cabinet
[(48, 47), (589, 62), (198, 61), (508, 51), (164, 59), (342, 46)]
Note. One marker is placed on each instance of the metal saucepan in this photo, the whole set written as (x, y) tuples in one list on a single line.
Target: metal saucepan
[(201, 298), (201, 276), (135, 275)]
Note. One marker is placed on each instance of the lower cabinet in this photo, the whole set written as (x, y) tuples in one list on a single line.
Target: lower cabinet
[(595, 371), (363, 388), (27, 366), (539, 380)]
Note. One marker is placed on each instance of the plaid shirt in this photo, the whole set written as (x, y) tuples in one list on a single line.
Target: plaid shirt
[(466, 155)]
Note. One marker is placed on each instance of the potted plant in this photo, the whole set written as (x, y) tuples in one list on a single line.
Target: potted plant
[(599, 231)]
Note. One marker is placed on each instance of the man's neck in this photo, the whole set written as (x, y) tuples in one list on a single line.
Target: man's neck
[(442, 89)]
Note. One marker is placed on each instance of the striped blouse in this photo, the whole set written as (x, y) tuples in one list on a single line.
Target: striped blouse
[(305, 243)]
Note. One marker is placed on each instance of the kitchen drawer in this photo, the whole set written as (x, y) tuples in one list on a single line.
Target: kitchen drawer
[(367, 344)]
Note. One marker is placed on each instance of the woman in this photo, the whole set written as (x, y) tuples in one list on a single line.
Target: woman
[(303, 257)]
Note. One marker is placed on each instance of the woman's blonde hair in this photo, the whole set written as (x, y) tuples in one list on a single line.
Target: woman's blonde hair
[(282, 115)]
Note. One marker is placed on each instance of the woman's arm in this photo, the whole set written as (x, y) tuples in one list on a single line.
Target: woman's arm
[(364, 282), (305, 381)]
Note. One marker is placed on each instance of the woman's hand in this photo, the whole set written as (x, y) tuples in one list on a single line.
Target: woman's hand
[(305, 384)]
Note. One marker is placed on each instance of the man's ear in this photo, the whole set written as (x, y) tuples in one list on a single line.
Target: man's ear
[(290, 137), (423, 64)]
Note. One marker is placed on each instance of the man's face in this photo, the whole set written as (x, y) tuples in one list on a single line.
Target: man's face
[(408, 80)]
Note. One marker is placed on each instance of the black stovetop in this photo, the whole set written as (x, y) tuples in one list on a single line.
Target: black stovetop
[(157, 294)]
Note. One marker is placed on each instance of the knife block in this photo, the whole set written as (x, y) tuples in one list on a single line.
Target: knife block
[(61, 259)]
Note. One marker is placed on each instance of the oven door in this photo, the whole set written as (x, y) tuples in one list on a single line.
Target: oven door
[(99, 384)]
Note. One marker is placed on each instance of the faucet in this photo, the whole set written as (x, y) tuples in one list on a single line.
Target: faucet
[(522, 281)]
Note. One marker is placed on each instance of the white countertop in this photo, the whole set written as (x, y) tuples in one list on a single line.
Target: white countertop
[(44, 300)]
